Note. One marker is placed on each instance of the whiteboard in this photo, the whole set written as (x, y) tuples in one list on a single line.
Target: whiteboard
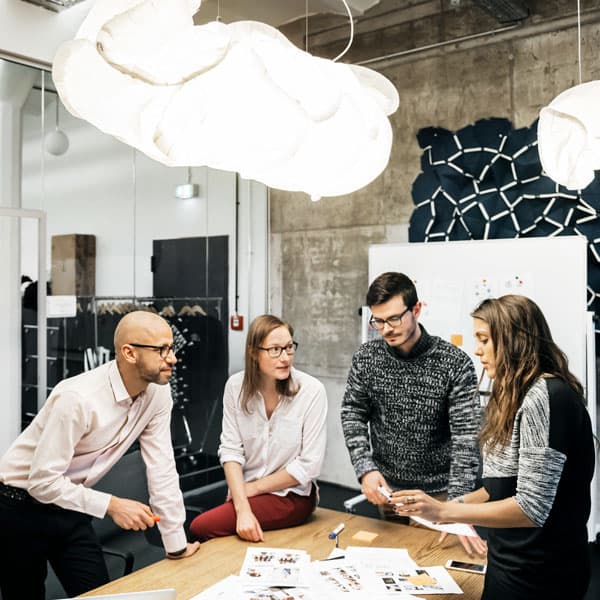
[(452, 278)]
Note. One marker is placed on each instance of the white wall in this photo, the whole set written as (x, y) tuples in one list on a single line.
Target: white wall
[(105, 188)]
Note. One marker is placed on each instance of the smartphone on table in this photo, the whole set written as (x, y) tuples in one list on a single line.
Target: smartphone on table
[(460, 565)]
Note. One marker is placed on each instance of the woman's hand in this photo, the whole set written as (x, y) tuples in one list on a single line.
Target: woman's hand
[(411, 503), (415, 503), (473, 545), (248, 527)]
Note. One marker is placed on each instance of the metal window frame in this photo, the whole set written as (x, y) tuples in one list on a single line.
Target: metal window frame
[(42, 335)]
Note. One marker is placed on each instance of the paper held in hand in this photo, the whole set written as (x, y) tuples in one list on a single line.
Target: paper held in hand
[(455, 528)]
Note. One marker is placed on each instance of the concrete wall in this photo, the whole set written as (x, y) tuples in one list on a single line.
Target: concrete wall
[(319, 250)]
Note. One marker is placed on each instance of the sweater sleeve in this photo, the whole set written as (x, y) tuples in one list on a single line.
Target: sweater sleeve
[(540, 465), (464, 419), (355, 414)]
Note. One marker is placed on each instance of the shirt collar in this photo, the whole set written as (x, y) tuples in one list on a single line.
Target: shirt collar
[(118, 387)]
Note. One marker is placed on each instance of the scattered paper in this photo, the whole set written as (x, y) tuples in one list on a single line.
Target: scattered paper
[(455, 528), (336, 553), (376, 573)]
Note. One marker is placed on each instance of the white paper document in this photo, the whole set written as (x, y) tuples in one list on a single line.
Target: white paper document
[(380, 558), (455, 528), (277, 567), (230, 588), (223, 590)]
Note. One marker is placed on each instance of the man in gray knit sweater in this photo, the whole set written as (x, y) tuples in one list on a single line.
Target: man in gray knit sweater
[(410, 412)]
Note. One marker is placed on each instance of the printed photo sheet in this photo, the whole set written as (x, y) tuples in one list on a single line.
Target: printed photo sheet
[(341, 580), (274, 567)]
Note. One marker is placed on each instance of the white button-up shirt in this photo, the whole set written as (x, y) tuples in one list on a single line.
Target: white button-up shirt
[(294, 438), (83, 429)]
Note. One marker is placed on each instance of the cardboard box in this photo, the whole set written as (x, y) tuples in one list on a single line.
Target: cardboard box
[(73, 265)]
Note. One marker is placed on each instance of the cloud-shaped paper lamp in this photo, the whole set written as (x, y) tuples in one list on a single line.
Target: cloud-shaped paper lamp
[(569, 136), (238, 97)]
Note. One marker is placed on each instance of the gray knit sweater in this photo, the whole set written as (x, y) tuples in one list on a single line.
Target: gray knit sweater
[(423, 415)]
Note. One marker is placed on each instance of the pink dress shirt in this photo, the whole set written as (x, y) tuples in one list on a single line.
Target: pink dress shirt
[(83, 429)]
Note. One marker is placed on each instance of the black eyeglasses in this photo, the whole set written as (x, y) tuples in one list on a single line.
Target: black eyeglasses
[(163, 351), (275, 351), (392, 321)]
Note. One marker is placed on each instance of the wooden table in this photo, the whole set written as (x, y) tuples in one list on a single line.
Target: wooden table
[(221, 557)]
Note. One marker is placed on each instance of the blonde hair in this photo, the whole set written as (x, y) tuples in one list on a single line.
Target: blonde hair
[(259, 329)]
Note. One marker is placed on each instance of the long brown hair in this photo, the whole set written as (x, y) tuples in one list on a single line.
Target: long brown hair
[(259, 329), (524, 350)]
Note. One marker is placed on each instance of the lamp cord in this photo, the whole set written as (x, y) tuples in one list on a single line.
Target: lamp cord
[(579, 38), (306, 25), (351, 33)]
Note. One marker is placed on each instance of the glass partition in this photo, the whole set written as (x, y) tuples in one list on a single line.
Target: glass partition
[(125, 232)]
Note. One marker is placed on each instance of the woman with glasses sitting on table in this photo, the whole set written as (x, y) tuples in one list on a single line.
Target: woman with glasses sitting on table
[(272, 442), (538, 461)]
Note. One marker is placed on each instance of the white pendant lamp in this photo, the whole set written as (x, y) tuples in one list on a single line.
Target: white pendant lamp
[(56, 142), (569, 131), (238, 97), (569, 136)]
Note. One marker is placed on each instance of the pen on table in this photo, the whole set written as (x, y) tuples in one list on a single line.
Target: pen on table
[(336, 531)]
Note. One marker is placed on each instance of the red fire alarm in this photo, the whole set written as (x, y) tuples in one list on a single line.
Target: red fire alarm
[(237, 322)]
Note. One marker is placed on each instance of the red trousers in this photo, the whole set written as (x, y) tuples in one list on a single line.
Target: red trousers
[(271, 511)]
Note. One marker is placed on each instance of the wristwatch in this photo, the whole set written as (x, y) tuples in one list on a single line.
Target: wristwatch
[(177, 552)]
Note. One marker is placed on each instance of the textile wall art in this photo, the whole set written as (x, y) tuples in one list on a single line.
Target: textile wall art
[(486, 181)]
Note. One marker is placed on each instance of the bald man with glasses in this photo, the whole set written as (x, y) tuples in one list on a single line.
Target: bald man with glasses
[(410, 413), (89, 421)]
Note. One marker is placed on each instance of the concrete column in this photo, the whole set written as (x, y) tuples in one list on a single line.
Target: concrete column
[(15, 84)]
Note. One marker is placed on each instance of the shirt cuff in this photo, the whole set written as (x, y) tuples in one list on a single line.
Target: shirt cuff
[(96, 503), (298, 473), (174, 541)]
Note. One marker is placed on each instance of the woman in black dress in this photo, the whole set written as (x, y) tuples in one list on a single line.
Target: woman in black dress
[(538, 452)]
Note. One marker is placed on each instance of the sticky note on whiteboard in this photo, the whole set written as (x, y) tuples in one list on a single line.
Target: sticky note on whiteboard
[(456, 339)]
